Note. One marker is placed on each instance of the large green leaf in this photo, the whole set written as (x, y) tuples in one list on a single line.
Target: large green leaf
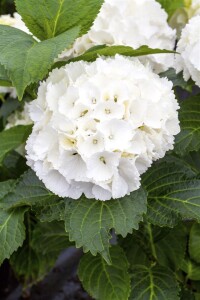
[(50, 18), (155, 283), (50, 238), (89, 222), (28, 264), (102, 281), (103, 50), (29, 191), (194, 242), (12, 138), (12, 231), (171, 6), (173, 192), (26, 60), (153, 243), (189, 137)]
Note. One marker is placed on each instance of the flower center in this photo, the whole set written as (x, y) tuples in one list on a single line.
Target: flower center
[(102, 159)]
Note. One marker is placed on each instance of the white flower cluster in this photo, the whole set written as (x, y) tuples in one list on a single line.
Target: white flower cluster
[(189, 49), (19, 117), (130, 23), (98, 126), (16, 22)]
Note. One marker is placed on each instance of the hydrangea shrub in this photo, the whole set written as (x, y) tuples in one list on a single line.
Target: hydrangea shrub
[(100, 144)]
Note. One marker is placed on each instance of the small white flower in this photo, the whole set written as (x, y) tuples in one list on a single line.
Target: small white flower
[(96, 138), (189, 49), (130, 23)]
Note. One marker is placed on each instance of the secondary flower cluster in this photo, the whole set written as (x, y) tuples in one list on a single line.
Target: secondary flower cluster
[(189, 48), (98, 126), (131, 23)]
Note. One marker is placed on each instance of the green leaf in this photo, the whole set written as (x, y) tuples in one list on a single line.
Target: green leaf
[(153, 283), (12, 231), (171, 6), (50, 238), (189, 137), (29, 191), (103, 50), (50, 18), (193, 159), (50, 210), (26, 60), (6, 187), (194, 242), (4, 80), (13, 138), (164, 245), (13, 166), (191, 269), (8, 107), (29, 265), (102, 281), (173, 192), (89, 222)]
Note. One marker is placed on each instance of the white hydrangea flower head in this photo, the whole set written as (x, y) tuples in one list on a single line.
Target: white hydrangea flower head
[(130, 23), (19, 117), (98, 126), (189, 49)]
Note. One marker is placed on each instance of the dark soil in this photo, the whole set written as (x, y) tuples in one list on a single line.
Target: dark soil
[(61, 283)]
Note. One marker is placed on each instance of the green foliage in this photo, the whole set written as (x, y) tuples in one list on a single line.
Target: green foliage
[(191, 269), (50, 238), (13, 138), (194, 243), (103, 50), (173, 192), (153, 283), (164, 245), (171, 6), (28, 191), (189, 137), (26, 60), (28, 263), (49, 18), (89, 222), (12, 231), (4, 79), (104, 281)]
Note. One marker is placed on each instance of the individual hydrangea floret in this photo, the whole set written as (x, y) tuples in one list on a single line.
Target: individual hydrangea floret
[(131, 23), (189, 48), (98, 126)]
